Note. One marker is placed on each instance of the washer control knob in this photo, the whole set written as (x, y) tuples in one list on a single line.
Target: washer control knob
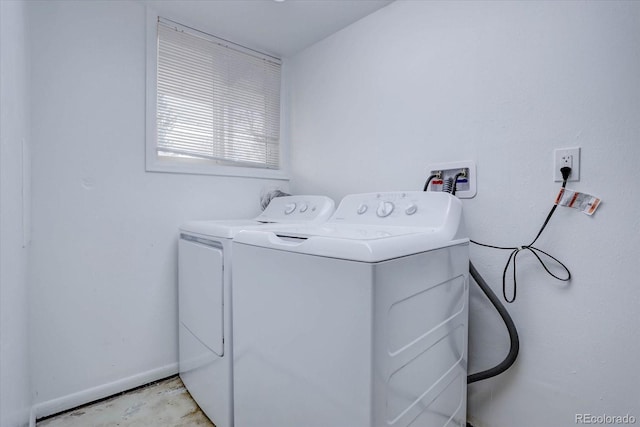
[(362, 209), (289, 208), (304, 207), (411, 209), (385, 209)]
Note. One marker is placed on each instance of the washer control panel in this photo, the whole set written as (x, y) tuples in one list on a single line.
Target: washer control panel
[(409, 208), (298, 208)]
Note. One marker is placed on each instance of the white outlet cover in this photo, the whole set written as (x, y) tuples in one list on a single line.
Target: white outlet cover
[(558, 155)]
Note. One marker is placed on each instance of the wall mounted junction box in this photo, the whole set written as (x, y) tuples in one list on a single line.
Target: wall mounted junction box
[(465, 171)]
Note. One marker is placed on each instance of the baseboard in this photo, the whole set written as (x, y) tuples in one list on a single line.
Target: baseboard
[(89, 395)]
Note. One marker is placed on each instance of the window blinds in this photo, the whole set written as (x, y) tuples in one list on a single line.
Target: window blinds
[(216, 101)]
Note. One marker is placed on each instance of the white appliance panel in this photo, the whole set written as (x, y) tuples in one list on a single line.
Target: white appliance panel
[(202, 372), (201, 291), (323, 341), (298, 209), (303, 345)]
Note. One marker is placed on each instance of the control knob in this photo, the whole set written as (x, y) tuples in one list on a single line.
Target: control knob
[(411, 209), (289, 208), (385, 209), (362, 209)]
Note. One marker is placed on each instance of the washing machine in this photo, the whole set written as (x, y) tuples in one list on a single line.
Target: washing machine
[(359, 322), (204, 295)]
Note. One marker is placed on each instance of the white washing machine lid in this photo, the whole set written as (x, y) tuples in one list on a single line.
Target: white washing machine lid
[(282, 211), (392, 225)]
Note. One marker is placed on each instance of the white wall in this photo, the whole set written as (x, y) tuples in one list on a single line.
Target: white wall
[(15, 398), (501, 83), (104, 294)]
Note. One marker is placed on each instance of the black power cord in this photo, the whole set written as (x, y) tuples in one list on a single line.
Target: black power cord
[(514, 346), (455, 182), (426, 184), (566, 171)]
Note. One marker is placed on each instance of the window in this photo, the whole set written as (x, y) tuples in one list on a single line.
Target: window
[(213, 106)]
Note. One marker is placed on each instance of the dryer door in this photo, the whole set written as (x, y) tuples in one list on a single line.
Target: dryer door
[(200, 290)]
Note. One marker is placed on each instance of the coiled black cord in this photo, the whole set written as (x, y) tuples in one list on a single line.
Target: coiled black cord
[(535, 251), (514, 347)]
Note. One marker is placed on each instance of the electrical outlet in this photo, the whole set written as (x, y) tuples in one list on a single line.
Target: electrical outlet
[(566, 157)]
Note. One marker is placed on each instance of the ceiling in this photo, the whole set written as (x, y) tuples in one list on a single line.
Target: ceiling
[(280, 28)]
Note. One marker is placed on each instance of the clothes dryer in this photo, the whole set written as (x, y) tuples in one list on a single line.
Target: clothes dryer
[(358, 322), (204, 294)]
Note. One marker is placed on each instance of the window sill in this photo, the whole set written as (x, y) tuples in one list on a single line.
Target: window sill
[(196, 168)]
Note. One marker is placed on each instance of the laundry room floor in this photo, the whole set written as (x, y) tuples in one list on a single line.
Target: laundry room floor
[(166, 403)]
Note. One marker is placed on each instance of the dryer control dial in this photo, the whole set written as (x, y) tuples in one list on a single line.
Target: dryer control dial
[(304, 207), (289, 208), (362, 209), (411, 209), (385, 209)]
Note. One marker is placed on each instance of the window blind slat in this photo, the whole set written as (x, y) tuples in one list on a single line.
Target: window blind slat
[(216, 103)]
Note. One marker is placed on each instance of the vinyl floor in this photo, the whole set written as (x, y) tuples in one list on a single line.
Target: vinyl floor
[(166, 403)]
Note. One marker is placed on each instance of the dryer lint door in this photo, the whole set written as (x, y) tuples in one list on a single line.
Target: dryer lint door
[(200, 295)]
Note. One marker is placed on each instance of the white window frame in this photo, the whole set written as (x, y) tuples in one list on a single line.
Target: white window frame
[(195, 166)]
